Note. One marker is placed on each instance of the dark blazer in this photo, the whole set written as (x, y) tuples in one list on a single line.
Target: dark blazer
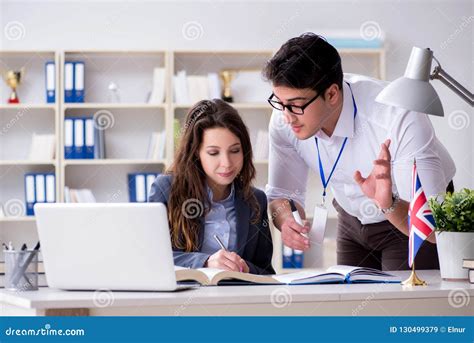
[(254, 241)]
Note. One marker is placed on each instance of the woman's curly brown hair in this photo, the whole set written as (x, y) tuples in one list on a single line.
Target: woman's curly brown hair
[(189, 178)]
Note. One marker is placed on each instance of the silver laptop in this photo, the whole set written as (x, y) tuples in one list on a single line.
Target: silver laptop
[(94, 246)]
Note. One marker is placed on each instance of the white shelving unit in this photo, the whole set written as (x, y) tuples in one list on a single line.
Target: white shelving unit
[(129, 122), (18, 122), (133, 120)]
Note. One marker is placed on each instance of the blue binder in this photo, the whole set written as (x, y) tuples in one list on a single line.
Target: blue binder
[(137, 187), (30, 193), (68, 138), (90, 144), (287, 257), (50, 82), (68, 82), (40, 187), (79, 136), (79, 71), (298, 258), (50, 184), (150, 178)]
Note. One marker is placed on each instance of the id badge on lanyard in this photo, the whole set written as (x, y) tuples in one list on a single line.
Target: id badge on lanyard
[(320, 216)]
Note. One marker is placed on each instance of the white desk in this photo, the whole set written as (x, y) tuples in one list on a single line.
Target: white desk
[(441, 298)]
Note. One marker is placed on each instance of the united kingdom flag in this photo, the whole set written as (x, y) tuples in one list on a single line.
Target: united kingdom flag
[(421, 222)]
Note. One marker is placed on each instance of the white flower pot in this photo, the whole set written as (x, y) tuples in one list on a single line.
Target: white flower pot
[(453, 247)]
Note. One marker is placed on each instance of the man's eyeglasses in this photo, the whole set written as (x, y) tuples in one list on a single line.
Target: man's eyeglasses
[(299, 110)]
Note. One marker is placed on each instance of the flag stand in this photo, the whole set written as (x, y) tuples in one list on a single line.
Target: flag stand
[(414, 280)]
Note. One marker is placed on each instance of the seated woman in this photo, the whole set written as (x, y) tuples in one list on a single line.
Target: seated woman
[(208, 193)]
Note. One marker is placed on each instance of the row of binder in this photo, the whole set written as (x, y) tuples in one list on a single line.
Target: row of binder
[(139, 186), (83, 139), (292, 258), (39, 187), (74, 81)]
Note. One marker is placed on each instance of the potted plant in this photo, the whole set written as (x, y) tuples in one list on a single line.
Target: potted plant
[(454, 217)]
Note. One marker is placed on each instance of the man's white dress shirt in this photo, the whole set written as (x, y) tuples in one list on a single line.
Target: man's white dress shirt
[(412, 136)]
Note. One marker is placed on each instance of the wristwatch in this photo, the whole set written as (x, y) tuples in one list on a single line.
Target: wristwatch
[(395, 201)]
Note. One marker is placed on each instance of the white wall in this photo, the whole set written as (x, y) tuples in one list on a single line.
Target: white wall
[(444, 26)]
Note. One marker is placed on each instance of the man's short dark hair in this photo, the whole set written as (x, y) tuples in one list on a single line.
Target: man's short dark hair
[(307, 61)]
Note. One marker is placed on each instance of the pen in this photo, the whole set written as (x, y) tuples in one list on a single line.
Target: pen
[(220, 242), (216, 237), (24, 247), (5, 247), (21, 270), (296, 214)]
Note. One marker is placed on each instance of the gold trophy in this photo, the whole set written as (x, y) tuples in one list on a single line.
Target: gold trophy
[(227, 76), (13, 80)]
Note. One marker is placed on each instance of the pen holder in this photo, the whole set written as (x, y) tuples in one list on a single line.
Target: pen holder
[(21, 270)]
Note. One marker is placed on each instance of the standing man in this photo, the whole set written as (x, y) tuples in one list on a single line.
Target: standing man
[(362, 150)]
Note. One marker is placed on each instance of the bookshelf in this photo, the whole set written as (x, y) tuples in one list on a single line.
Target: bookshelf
[(18, 123), (128, 123), (132, 120)]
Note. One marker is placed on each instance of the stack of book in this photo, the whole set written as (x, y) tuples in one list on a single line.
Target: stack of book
[(156, 146), (370, 36), (78, 195), (468, 263), (157, 95), (43, 147), (189, 89)]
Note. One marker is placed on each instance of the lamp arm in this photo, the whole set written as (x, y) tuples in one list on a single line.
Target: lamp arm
[(456, 87)]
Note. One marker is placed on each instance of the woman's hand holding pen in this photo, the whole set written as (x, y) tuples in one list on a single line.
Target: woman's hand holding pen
[(227, 260)]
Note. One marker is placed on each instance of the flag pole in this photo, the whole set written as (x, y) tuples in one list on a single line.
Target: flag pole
[(413, 280)]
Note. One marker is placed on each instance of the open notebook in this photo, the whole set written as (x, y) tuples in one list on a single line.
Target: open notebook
[(335, 274)]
